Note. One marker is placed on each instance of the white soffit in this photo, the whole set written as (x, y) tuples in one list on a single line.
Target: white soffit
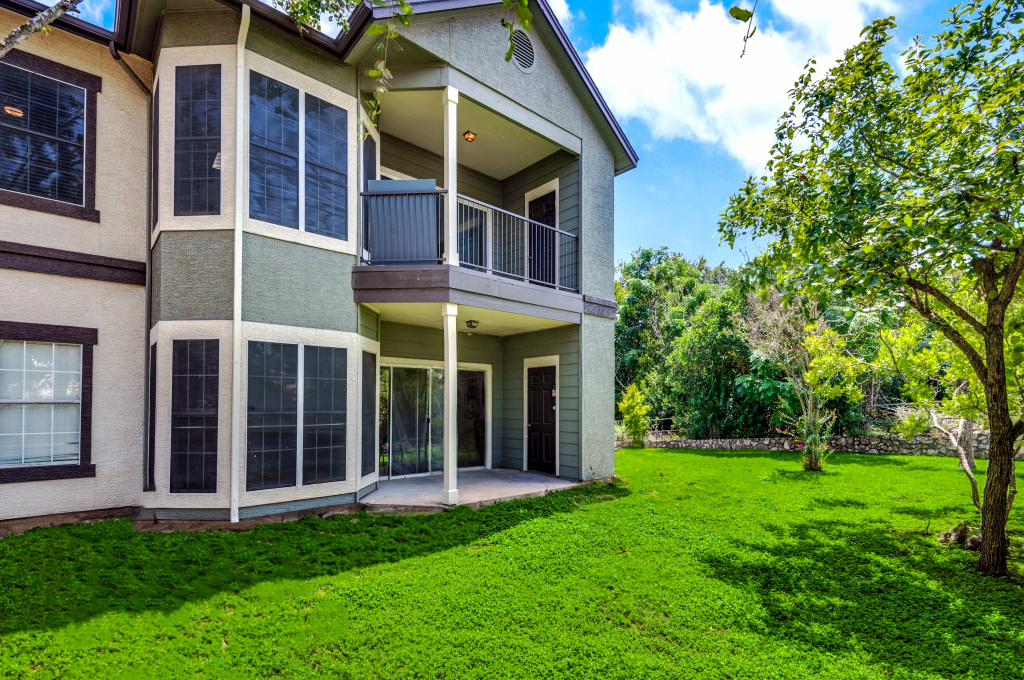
[(502, 148)]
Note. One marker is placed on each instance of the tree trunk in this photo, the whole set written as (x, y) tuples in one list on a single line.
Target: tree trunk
[(999, 474), (965, 439)]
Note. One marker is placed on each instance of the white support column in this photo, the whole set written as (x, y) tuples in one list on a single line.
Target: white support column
[(450, 101), (450, 494)]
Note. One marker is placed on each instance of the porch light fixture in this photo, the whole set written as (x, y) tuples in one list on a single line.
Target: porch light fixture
[(472, 323), (469, 135), (13, 111)]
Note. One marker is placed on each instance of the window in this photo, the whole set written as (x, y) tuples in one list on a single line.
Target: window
[(324, 412), (42, 136), (40, 403), (316, 201), (272, 426), (195, 386), (197, 160), (47, 136), (296, 394)]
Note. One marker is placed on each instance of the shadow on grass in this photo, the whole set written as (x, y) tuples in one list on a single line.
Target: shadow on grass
[(935, 513), (55, 576), (860, 588)]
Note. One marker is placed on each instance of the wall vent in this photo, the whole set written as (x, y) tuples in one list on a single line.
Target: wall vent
[(522, 52)]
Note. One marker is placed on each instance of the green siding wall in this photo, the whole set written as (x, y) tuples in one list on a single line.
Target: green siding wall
[(565, 342), (192, 275), (368, 323), (307, 60), (561, 165), (401, 341), (411, 160), (295, 285)]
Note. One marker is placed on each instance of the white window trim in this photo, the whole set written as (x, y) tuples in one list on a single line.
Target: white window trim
[(371, 347), (543, 190), (540, 362), (170, 59), (306, 85), (395, 362), (394, 174), (351, 442)]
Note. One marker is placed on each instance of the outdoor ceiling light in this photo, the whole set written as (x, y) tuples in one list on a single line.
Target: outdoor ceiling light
[(13, 111), (469, 135), (472, 323)]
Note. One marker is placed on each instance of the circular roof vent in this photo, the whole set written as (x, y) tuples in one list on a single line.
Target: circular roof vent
[(522, 51)]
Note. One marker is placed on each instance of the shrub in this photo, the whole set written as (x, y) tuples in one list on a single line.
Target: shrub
[(634, 414), (812, 433)]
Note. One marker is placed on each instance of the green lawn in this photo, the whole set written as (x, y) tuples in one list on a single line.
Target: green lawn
[(699, 564)]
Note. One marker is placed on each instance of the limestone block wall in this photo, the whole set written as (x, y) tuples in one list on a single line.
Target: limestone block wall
[(921, 445)]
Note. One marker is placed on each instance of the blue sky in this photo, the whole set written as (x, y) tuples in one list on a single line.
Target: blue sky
[(699, 116)]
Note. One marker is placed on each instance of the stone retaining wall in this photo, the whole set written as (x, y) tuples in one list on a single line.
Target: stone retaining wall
[(921, 445)]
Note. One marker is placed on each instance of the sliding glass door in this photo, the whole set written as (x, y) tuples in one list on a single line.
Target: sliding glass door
[(412, 418)]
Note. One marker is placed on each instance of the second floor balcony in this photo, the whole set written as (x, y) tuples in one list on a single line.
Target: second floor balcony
[(405, 224), (464, 186)]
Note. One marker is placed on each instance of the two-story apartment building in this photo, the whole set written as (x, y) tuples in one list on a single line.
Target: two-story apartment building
[(226, 292)]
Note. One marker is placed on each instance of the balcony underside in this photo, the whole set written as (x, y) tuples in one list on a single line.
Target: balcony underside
[(413, 294)]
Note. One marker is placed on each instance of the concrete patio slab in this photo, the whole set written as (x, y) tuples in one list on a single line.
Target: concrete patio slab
[(476, 488)]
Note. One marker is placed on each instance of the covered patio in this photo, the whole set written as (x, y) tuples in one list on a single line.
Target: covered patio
[(477, 488)]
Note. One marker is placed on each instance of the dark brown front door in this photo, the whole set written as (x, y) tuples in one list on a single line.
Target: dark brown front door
[(540, 419), (542, 241)]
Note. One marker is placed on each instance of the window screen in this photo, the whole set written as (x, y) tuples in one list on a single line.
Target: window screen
[(42, 136), (194, 399), (40, 403), (369, 415), (324, 409), (273, 151), (272, 415), (197, 159), (326, 168)]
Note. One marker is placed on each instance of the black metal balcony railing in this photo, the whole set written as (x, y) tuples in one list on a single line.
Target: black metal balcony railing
[(408, 228)]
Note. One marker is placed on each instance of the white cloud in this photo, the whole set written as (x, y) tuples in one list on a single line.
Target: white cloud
[(680, 72), (562, 12), (97, 12)]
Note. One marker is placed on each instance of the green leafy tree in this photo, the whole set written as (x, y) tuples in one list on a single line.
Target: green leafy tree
[(634, 410), (705, 360), (908, 190)]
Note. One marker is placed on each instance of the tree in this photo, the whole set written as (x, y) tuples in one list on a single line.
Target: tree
[(908, 190), (40, 22)]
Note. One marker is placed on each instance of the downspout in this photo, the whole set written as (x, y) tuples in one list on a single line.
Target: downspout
[(147, 467), (236, 319)]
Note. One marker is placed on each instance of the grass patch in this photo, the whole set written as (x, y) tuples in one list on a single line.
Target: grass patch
[(701, 565)]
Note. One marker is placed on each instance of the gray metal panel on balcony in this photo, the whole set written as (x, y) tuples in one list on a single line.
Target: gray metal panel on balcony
[(402, 222)]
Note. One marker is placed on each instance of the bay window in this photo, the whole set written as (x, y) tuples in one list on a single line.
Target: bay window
[(296, 415), (298, 159)]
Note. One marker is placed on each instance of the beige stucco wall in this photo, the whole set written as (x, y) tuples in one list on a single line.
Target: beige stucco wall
[(118, 369), (121, 152)]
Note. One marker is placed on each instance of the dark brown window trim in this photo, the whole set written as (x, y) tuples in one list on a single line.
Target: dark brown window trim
[(92, 85), (42, 260), (87, 337)]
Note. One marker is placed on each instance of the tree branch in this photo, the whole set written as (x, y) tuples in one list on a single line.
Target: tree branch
[(37, 23), (948, 302), (964, 463), (954, 336)]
